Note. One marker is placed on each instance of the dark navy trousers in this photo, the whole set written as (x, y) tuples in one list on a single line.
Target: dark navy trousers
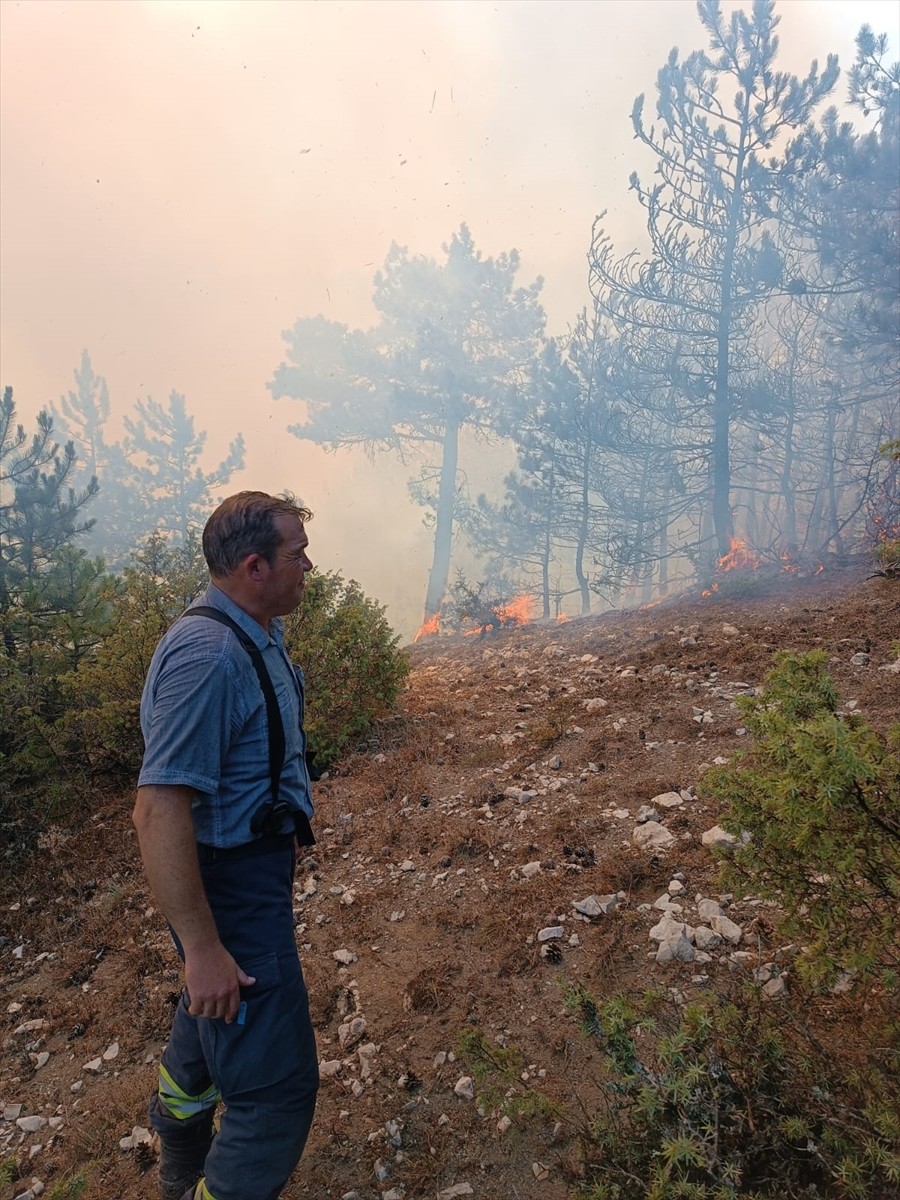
[(265, 1068)]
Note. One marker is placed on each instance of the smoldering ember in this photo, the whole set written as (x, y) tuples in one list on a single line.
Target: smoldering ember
[(601, 676)]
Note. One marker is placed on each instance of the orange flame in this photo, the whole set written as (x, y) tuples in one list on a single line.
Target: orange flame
[(519, 611), (428, 628), (738, 556)]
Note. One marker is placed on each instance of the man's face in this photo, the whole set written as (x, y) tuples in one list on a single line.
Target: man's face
[(287, 571)]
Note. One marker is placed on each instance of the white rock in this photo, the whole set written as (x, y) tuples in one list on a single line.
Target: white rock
[(407, 865), (652, 836), (594, 704), (111, 1052), (727, 928), (41, 1059), (675, 947), (328, 1068), (352, 1032), (32, 1124), (730, 630), (345, 957), (139, 1136), (504, 1125), (529, 869), (706, 938), (465, 1087), (717, 836), (32, 1026), (646, 813), (458, 1189), (707, 909), (95, 1065), (595, 906), (551, 933), (776, 987), (12, 1111), (668, 800)]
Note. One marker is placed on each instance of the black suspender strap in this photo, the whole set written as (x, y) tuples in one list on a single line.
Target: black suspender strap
[(273, 714)]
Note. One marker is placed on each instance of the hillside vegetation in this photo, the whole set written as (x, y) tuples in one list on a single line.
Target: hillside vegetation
[(525, 987)]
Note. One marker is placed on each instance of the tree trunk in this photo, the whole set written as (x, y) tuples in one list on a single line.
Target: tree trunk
[(443, 530), (721, 472), (547, 548)]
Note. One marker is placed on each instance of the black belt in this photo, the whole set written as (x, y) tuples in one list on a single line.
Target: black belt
[(207, 855)]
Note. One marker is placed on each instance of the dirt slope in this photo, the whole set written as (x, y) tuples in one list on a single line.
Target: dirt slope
[(418, 876)]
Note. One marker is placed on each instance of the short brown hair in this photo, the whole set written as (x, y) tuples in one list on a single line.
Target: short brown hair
[(245, 524)]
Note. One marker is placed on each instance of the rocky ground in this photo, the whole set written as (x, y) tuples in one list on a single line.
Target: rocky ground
[(532, 818)]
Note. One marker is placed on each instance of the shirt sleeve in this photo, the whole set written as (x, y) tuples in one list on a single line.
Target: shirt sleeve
[(188, 722)]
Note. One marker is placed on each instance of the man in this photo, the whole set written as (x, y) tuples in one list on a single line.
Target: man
[(220, 804)]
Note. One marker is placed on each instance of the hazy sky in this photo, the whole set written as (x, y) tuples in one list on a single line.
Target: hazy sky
[(180, 180)]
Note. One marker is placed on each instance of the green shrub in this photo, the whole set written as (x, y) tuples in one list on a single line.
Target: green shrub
[(726, 1097), (497, 1070), (349, 653), (820, 795)]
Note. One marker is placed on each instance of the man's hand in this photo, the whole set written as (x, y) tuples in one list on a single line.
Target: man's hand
[(212, 979), (162, 816)]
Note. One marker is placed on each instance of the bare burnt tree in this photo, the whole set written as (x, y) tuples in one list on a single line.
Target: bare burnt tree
[(710, 261)]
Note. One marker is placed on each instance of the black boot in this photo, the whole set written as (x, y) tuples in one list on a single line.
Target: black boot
[(183, 1147)]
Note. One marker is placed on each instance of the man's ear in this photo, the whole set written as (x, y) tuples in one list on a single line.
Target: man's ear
[(252, 567)]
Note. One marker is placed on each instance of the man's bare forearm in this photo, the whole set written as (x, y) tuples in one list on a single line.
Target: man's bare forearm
[(162, 816)]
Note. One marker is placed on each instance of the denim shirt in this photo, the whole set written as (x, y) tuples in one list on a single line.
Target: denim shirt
[(203, 717)]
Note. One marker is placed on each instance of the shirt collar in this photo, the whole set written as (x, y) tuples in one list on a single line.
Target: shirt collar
[(216, 598)]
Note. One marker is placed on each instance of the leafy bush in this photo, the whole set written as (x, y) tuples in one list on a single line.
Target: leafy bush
[(722, 1098), (820, 794), (350, 657), (498, 1071), (101, 727)]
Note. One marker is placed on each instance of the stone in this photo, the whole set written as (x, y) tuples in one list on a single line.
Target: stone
[(860, 660), (677, 947), (139, 1136), (328, 1068), (706, 938), (31, 1026), (652, 836), (32, 1124), (595, 906), (111, 1052), (717, 836), (668, 800), (12, 1111), (551, 933), (707, 909), (646, 813), (352, 1032), (727, 928), (504, 1125), (730, 630), (345, 957), (775, 988), (465, 1087), (529, 869), (95, 1065), (594, 704), (457, 1189)]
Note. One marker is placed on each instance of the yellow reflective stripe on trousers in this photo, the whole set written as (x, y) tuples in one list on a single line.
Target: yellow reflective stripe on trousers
[(179, 1103), (203, 1192)]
